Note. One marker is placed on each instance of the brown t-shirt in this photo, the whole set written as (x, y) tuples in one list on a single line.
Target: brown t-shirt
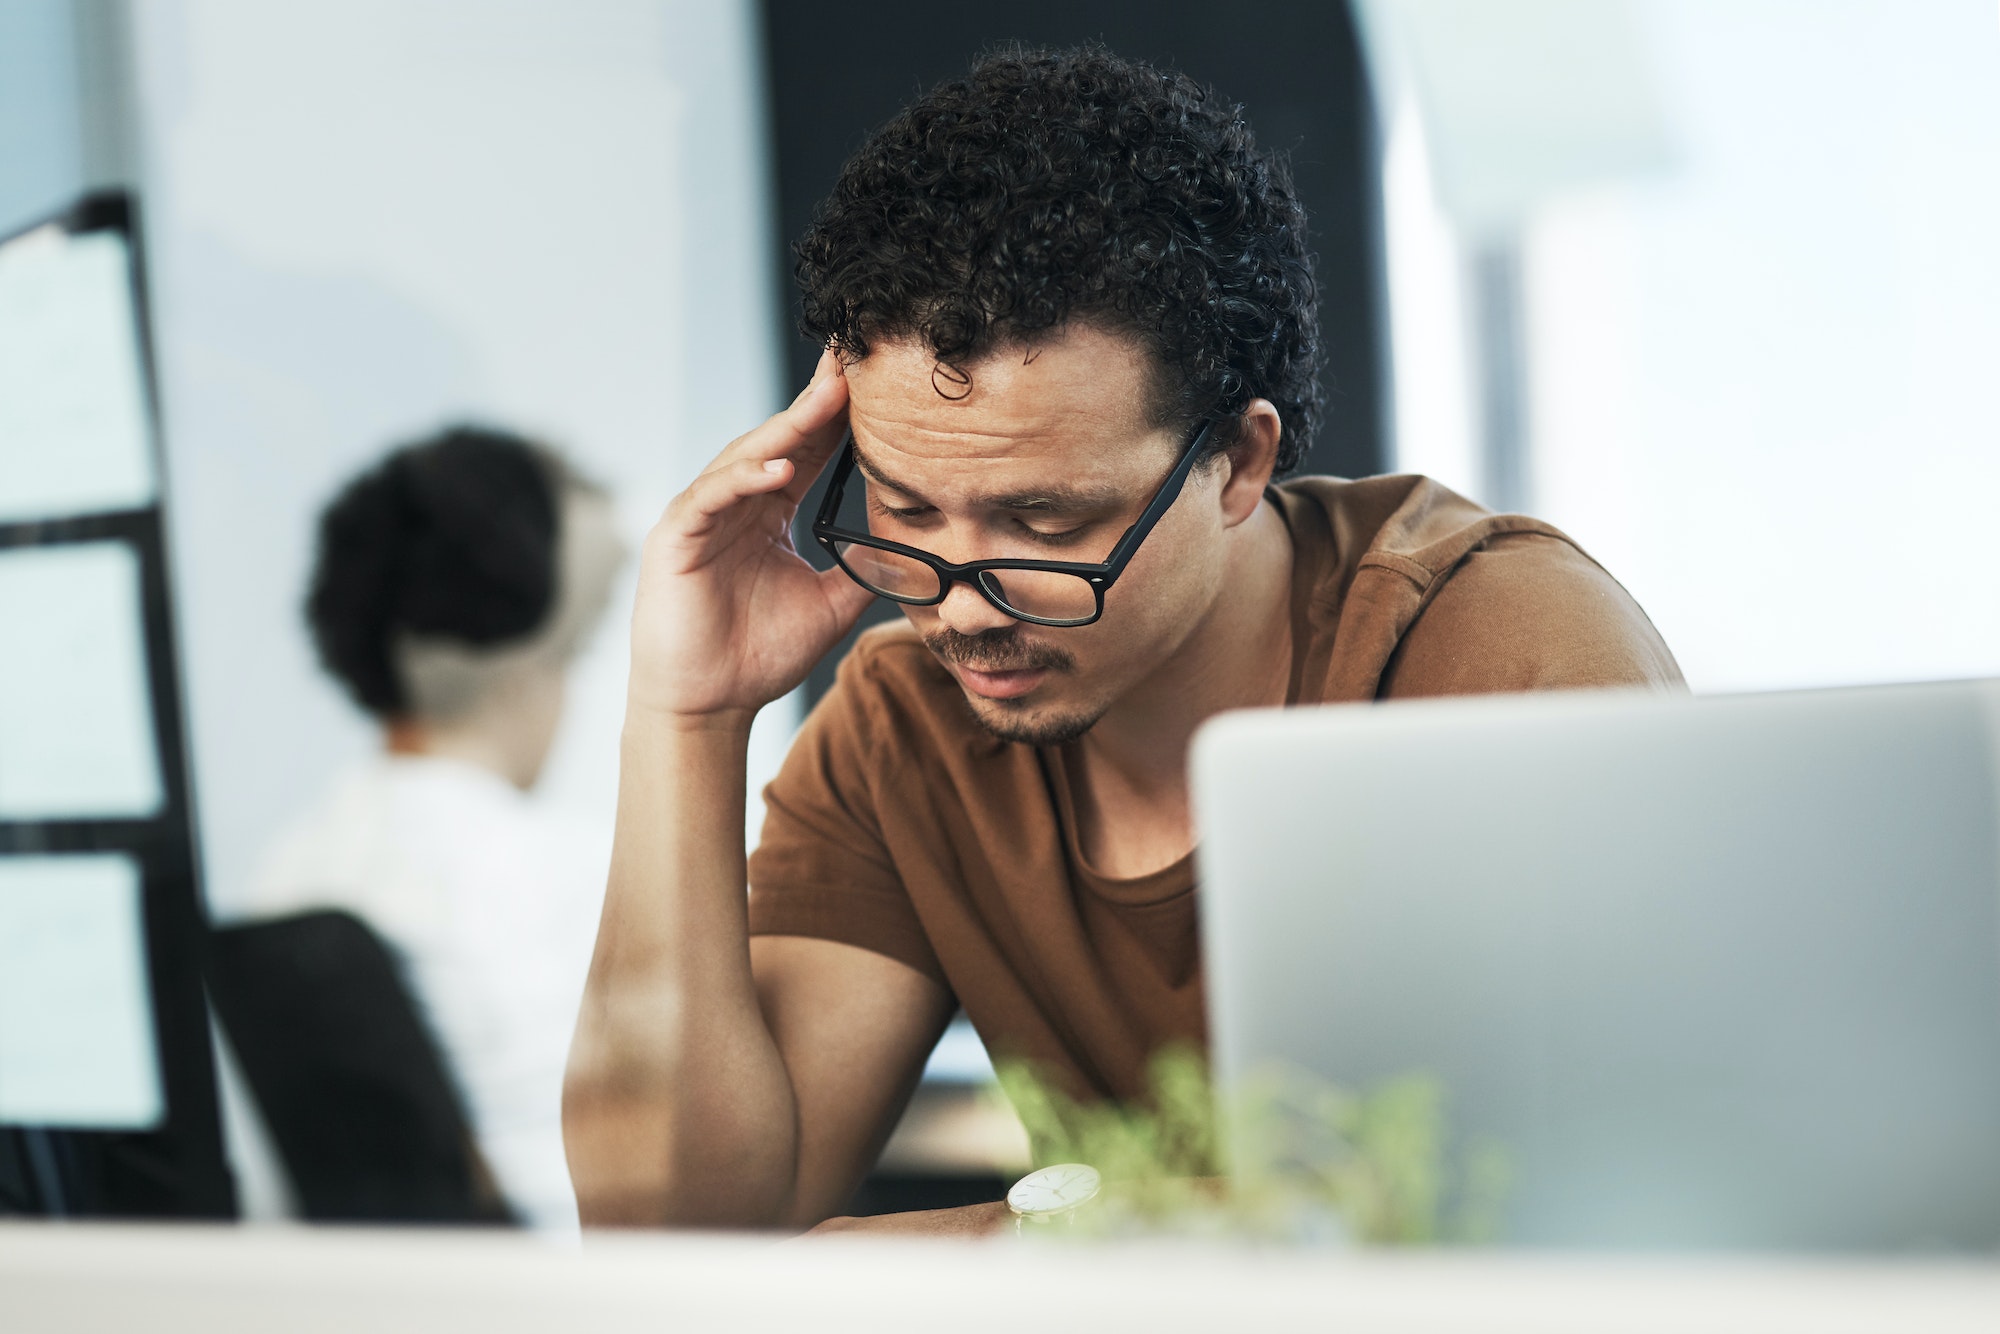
[(899, 825)]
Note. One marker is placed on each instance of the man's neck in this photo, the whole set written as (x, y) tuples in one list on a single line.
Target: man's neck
[(1132, 793)]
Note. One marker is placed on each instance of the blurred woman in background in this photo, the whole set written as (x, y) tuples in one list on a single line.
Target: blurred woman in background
[(455, 581)]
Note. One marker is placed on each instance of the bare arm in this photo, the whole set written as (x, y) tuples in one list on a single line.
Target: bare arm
[(715, 1080)]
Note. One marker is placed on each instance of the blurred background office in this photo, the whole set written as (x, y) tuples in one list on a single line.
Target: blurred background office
[(454, 584), (1709, 283), (364, 221)]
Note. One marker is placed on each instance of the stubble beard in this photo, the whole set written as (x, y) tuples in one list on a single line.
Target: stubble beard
[(1014, 720), (1053, 730)]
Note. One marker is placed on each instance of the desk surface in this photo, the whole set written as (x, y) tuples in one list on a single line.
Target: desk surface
[(81, 1279)]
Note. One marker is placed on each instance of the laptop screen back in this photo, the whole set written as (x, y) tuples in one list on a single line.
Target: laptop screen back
[(1710, 972)]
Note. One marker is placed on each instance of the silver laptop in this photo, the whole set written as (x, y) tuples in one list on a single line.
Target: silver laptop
[(1713, 972)]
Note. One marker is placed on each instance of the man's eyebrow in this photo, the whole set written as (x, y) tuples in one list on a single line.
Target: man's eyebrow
[(1059, 498)]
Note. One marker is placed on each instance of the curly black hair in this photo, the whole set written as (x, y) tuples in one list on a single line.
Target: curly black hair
[(1051, 186), (454, 536)]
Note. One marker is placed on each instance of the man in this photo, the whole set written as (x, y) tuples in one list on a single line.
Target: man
[(1068, 305)]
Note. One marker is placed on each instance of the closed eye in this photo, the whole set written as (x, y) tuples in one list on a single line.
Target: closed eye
[(926, 516), (1045, 537)]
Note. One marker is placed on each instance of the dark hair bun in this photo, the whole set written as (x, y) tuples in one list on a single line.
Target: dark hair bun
[(451, 537)]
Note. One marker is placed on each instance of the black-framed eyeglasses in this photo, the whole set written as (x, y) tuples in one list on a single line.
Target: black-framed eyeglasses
[(1041, 592)]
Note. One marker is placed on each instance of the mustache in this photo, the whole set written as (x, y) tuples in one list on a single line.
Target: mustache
[(1001, 650)]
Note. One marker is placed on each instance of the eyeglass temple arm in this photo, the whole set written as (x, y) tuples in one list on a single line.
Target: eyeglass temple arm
[(843, 464), (1169, 492)]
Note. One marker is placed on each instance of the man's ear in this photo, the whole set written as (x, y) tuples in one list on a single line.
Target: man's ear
[(1251, 460)]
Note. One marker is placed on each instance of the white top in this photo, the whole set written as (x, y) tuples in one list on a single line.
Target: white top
[(489, 901)]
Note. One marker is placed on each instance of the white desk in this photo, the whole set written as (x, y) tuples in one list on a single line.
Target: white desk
[(82, 1279)]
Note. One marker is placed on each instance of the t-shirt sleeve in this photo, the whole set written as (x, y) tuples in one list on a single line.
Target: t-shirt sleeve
[(822, 867), (1528, 611)]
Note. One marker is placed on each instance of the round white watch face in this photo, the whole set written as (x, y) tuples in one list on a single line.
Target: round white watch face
[(1054, 1190)]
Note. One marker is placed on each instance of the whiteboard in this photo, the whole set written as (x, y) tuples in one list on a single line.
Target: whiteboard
[(76, 715), (76, 1018), (74, 435)]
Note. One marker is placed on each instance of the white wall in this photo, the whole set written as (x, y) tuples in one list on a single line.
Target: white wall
[(1433, 379), (372, 216), (41, 146), (1763, 383)]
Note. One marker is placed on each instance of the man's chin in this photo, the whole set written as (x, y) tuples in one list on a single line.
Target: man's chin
[(1028, 725)]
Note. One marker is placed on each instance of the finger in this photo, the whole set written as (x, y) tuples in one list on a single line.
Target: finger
[(695, 511), (812, 458), (847, 598), (828, 364), (809, 429), (811, 422)]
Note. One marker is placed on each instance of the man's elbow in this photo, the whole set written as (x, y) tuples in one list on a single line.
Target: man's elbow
[(623, 1169), (618, 1151)]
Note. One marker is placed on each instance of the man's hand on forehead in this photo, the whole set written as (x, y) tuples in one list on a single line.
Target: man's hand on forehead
[(728, 616)]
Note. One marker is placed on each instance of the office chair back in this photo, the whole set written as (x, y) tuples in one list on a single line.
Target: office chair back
[(350, 1082)]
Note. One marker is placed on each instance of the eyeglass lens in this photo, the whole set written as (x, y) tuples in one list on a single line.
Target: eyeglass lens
[(1042, 594), (889, 574)]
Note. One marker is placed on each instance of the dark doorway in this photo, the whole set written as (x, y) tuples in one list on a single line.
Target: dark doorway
[(835, 72)]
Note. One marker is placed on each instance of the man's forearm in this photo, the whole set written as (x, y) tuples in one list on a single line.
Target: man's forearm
[(678, 1108)]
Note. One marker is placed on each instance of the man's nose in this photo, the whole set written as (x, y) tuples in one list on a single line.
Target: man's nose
[(969, 613)]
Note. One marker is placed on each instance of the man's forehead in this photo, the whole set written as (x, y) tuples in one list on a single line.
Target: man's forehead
[(1075, 384), (1041, 481)]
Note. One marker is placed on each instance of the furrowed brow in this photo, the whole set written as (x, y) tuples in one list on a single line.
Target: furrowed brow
[(880, 478), (1059, 499), (1042, 500)]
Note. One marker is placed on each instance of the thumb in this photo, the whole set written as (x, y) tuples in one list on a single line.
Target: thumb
[(844, 597)]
